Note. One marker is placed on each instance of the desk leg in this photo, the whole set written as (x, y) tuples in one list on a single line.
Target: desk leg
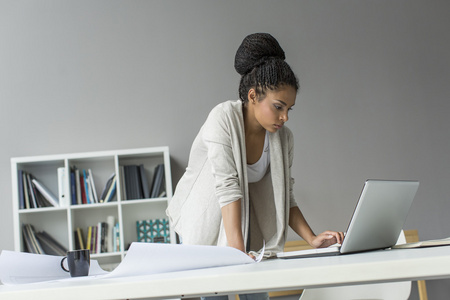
[(422, 290)]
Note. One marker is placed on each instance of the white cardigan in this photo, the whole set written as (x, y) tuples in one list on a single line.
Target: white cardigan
[(217, 175)]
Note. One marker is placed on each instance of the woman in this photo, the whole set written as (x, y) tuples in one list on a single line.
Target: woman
[(237, 188)]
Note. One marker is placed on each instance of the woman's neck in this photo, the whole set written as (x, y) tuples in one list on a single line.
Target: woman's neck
[(251, 125)]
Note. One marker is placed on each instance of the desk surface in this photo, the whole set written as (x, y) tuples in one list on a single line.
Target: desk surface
[(270, 275)]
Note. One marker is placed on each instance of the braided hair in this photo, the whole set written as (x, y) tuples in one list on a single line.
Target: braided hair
[(260, 62)]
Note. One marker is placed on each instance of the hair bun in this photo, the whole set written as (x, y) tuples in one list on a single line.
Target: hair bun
[(255, 50)]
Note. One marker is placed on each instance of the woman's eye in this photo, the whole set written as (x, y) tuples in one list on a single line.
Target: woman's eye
[(278, 107)]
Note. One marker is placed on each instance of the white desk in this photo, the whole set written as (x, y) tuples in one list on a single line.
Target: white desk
[(271, 275)]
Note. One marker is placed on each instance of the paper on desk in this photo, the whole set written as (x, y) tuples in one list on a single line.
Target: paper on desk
[(20, 267), (141, 259), (147, 258)]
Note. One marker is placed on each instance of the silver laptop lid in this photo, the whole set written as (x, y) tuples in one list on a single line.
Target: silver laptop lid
[(379, 215)]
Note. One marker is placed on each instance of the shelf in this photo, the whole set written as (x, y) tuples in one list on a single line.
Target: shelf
[(142, 201), (93, 205), (41, 209), (62, 222)]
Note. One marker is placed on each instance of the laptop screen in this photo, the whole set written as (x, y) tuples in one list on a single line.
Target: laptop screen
[(379, 215)]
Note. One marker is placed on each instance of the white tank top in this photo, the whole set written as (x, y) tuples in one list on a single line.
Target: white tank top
[(256, 171)]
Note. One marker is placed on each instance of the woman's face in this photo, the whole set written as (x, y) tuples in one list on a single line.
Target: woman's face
[(272, 111)]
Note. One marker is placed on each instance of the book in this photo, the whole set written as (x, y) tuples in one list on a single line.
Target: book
[(94, 239), (21, 189), (49, 196), (133, 182), (31, 242), (86, 187), (116, 236), (89, 191), (83, 190), (73, 188), (430, 243), (37, 246), (92, 185), (89, 238), (101, 237), (31, 191), (25, 191), (157, 184), (27, 195), (78, 187), (64, 199), (110, 234), (49, 245), (127, 182), (112, 191), (122, 183), (28, 243), (144, 182), (109, 186), (79, 239), (41, 200)]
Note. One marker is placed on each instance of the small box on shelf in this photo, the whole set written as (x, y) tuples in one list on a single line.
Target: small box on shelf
[(153, 231)]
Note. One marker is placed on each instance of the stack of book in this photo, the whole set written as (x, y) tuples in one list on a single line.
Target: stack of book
[(82, 187), (101, 238), (96, 238), (135, 184), (33, 194), (41, 242)]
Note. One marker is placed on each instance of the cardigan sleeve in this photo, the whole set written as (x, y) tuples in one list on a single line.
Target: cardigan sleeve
[(217, 136), (290, 138)]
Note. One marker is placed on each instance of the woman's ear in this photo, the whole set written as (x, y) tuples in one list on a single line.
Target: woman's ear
[(251, 96)]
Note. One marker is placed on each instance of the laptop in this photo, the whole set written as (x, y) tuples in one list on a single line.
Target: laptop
[(377, 221)]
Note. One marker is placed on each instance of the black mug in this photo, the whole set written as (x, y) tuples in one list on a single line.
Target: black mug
[(78, 262)]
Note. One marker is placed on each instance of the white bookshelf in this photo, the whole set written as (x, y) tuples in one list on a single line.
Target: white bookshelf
[(61, 222)]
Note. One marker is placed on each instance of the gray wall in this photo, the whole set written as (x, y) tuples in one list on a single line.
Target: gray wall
[(81, 76)]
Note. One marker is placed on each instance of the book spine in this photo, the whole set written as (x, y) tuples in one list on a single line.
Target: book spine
[(89, 238), (27, 240), (26, 192), (110, 234), (33, 202), (46, 193), (144, 182), (111, 192), (92, 184), (122, 183), (73, 189), (21, 189), (86, 187), (78, 187), (94, 239), (62, 188), (83, 190), (80, 238)]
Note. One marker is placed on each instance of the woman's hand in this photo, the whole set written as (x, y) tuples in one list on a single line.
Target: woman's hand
[(251, 256), (327, 238)]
